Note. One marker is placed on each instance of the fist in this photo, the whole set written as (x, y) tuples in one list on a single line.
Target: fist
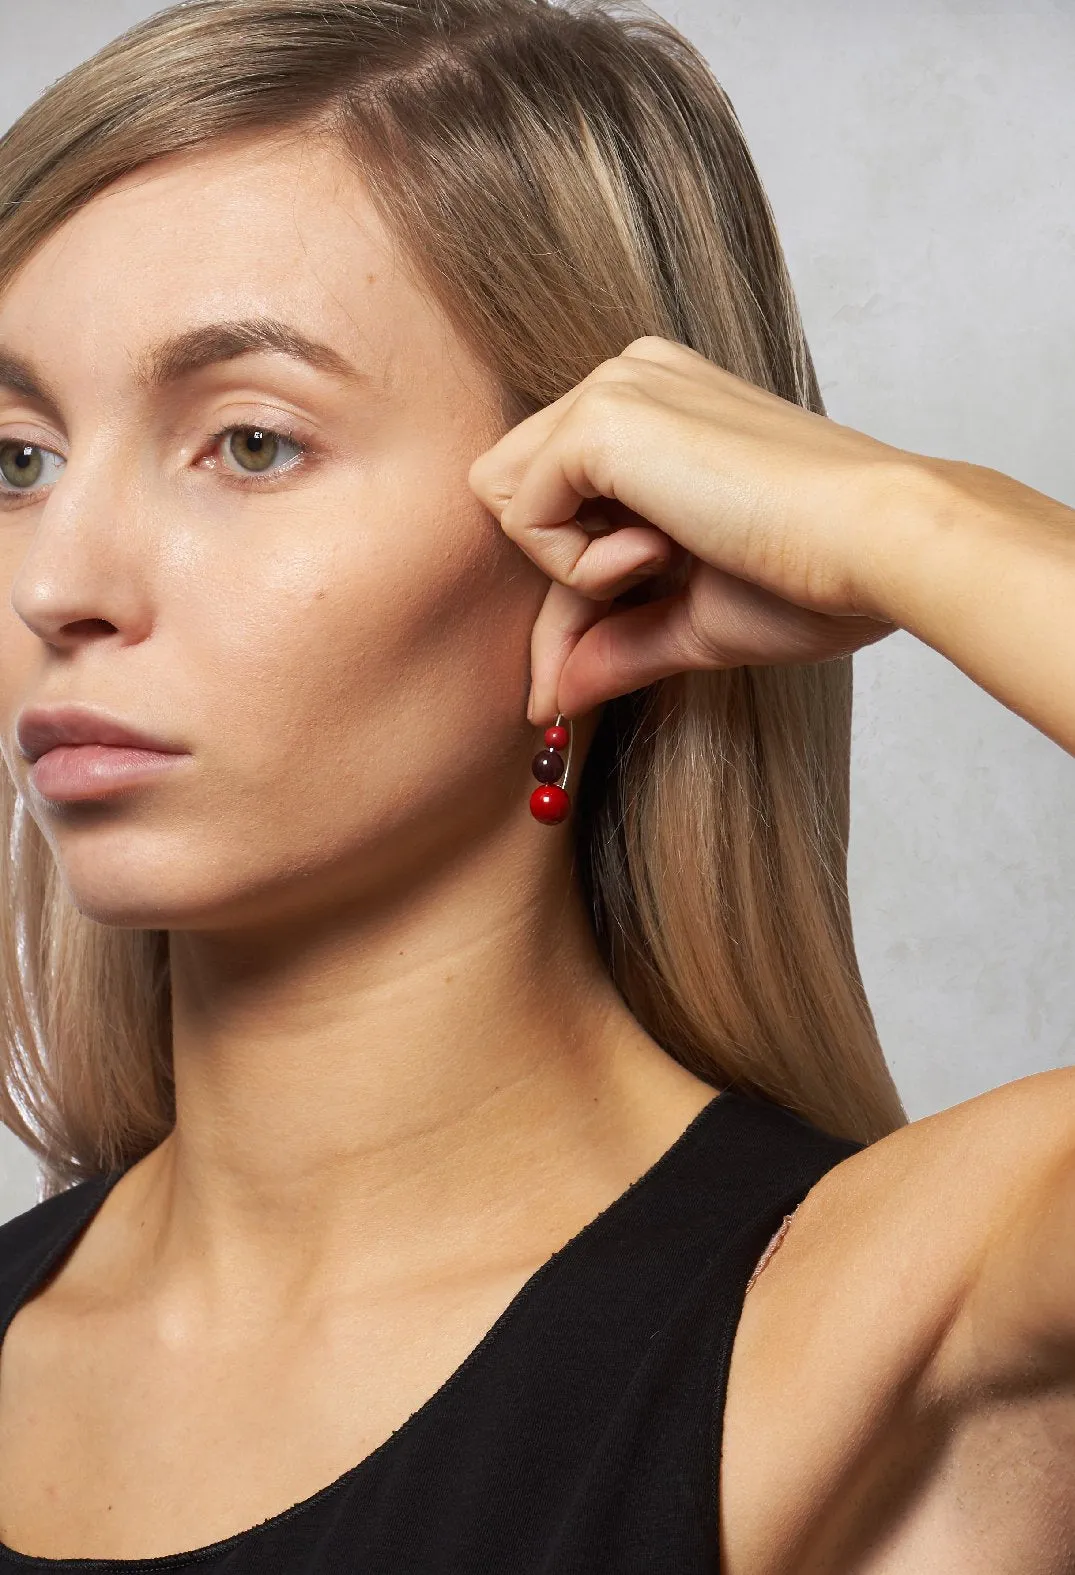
[(763, 529)]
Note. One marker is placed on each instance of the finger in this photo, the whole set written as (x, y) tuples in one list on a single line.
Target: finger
[(732, 624), (617, 442), (540, 473), (564, 617), (673, 356), (613, 654), (542, 516), (610, 563), (606, 571), (494, 475)]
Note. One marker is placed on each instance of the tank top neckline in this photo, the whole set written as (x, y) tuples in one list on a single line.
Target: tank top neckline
[(97, 1190)]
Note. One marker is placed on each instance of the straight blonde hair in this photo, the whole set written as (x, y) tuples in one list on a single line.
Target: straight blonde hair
[(563, 179)]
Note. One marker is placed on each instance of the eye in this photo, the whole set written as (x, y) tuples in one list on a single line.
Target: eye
[(254, 450), (23, 465)]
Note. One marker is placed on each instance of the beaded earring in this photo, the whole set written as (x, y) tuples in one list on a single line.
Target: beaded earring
[(549, 803)]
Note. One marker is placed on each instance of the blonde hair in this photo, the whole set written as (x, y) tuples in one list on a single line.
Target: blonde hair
[(564, 178)]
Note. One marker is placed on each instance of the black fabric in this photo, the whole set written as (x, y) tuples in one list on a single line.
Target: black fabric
[(582, 1434)]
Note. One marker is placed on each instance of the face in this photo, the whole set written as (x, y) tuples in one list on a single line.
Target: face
[(273, 565)]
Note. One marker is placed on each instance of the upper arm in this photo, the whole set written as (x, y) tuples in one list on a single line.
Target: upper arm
[(1015, 1326), (916, 1280)]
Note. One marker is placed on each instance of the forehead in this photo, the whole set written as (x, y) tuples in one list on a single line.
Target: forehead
[(254, 226)]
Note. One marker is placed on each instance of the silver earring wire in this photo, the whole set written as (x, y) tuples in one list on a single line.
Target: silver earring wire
[(570, 746)]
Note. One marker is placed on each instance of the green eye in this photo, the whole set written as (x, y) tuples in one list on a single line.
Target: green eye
[(21, 464), (246, 450), (255, 449)]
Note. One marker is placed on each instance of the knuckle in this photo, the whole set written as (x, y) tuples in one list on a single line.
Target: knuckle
[(510, 522), (478, 479), (610, 366), (652, 346), (607, 398), (488, 481), (700, 642), (626, 368), (603, 433)]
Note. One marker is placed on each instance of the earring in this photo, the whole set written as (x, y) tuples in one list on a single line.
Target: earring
[(549, 803)]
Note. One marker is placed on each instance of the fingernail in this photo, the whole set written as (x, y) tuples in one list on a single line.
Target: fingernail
[(530, 705)]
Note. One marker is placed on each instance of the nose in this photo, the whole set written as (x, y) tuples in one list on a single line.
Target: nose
[(82, 574)]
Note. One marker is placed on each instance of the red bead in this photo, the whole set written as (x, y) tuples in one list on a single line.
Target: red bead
[(549, 804), (556, 737)]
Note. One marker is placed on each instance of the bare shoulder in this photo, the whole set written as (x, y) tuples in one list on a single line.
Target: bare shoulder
[(860, 1342)]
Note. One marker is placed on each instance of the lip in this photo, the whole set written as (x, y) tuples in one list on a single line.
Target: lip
[(73, 773), (42, 729)]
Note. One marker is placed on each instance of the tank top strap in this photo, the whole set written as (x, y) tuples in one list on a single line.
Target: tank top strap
[(33, 1242)]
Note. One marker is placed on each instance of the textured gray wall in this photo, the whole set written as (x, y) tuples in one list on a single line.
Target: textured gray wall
[(919, 157)]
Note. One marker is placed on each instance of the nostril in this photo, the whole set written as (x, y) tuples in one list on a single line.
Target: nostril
[(89, 626)]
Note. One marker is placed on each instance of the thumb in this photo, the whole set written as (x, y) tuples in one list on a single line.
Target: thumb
[(628, 649), (583, 652)]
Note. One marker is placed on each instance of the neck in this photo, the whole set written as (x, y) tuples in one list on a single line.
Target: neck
[(407, 1081)]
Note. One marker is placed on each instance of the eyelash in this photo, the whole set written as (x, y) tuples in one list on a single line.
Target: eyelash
[(11, 495)]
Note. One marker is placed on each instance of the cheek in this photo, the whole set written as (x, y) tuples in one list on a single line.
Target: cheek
[(20, 652), (384, 665)]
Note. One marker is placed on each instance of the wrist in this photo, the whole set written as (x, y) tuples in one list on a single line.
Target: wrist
[(951, 533), (984, 572)]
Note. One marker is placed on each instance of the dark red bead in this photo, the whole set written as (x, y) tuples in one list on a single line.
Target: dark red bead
[(549, 804), (548, 766), (556, 737)]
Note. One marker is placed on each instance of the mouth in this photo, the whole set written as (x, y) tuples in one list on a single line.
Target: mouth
[(73, 773), (40, 728)]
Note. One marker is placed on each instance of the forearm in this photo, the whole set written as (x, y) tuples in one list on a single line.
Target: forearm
[(984, 572)]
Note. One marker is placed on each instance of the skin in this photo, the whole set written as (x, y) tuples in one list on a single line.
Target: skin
[(902, 1389), (351, 1234), (403, 1076)]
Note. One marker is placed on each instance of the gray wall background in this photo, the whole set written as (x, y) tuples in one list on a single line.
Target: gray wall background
[(919, 155)]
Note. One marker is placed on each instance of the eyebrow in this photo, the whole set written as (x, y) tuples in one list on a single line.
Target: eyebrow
[(192, 351), (197, 348)]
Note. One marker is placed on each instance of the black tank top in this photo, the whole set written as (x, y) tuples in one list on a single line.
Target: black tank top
[(581, 1436)]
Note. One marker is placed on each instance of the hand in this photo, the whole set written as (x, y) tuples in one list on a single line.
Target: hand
[(773, 523)]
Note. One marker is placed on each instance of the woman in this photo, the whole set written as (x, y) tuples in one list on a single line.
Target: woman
[(449, 1170)]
